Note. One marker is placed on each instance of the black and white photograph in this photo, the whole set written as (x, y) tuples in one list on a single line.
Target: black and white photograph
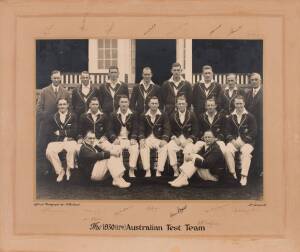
[(149, 119)]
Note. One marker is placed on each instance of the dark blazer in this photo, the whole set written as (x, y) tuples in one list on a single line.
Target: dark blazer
[(67, 129), (47, 102), (131, 124), (160, 128), (169, 97), (255, 106), (189, 128), (247, 128), (217, 126), (99, 127), (108, 102), (226, 103), (88, 156), (199, 96), (137, 101), (213, 159), (80, 102)]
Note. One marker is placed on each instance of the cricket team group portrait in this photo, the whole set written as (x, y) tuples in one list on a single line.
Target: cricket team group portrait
[(175, 129)]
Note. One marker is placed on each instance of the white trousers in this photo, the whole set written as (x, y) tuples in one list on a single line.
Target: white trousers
[(132, 149), (198, 145), (113, 165), (173, 148), (54, 148), (150, 143), (189, 169), (245, 157)]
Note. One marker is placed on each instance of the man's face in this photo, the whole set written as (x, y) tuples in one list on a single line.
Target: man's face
[(153, 104), (147, 75), (113, 74), (239, 104), (94, 106), (62, 106), (90, 138), (255, 80), (207, 74), (56, 79), (211, 106), (208, 138), (231, 81), (124, 104), (176, 71), (181, 105), (85, 79)]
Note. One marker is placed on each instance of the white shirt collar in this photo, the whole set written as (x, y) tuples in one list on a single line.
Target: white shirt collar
[(98, 113), (256, 89), (181, 113), (157, 112), (244, 112), (128, 112), (117, 82), (87, 86), (143, 83), (213, 114), (172, 79), (211, 81), (227, 88), (63, 114), (54, 87)]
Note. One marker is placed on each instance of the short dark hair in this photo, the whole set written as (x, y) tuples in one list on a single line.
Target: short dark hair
[(209, 130), (89, 132), (153, 98), (147, 68), (176, 64), (207, 67), (240, 97), (113, 67), (94, 99), (181, 97), (62, 98), (55, 72), (123, 96), (227, 75), (211, 99)]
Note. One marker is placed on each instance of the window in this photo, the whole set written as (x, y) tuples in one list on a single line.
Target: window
[(107, 53)]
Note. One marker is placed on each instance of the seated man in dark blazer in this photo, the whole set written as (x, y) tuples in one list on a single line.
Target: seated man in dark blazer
[(174, 87), (143, 91), (212, 120), (123, 132), (208, 162), (226, 99), (109, 92), (62, 132), (240, 134), (82, 94), (95, 162), (184, 131), (154, 132), (206, 89)]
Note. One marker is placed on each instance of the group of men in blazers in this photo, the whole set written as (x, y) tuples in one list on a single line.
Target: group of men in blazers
[(207, 123)]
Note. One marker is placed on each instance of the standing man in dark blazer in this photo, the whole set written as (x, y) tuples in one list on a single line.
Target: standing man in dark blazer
[(227, 95), (154, 132), (208, 163), (47, 106), (184, 131), (174, 87), (212, 120), (205, 89), (241, 130), (62, 132), (254, 104), (143, 91), (109, 92), (82, 94), (123, 132), (94, 162)]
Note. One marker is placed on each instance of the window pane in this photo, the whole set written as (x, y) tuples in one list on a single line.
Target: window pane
[(114, 62), (100, 54), (107, 43), (114, 43), (100, 64), (107, 54), (100, 43), (114, 53), (107, 64)]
